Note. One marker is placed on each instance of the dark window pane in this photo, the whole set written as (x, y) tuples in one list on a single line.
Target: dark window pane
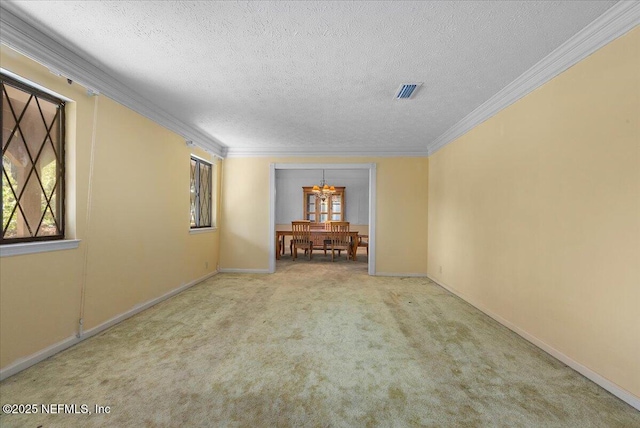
[(48, 226), (201, 198), (32, 164), (9, 189), (193, 190), (205, 194)]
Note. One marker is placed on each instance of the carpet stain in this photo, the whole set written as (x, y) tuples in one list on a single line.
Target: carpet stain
[(297, 335), (317, 344), (396, 394)]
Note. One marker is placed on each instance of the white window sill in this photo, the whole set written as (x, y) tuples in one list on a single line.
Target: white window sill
[(202, 230), (38, 247)]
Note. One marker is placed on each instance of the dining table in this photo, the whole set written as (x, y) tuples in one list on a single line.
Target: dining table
[(316, 235)]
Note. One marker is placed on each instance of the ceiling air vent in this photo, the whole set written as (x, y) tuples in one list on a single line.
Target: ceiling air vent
[(407, 91)]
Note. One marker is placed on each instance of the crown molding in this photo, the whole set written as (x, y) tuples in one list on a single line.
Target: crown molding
[(21, 36), (324, 165), (616, 21), (18, 34), (250, 152)]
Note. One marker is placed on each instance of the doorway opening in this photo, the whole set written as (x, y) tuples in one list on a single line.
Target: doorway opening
[(285, 187)]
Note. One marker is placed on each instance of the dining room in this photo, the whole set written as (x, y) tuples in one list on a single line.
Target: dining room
[(308, 201)]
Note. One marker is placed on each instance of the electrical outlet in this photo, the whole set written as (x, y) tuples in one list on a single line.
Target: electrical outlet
[(206, 265), (440, 268)]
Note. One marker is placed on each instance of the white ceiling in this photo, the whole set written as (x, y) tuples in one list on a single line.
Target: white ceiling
[(313, 76)]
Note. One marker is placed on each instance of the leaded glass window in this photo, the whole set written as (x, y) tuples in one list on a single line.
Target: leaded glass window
[(200, 193), (32, 177)]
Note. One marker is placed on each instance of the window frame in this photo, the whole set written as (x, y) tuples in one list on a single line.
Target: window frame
[(317, 213), (198, 226), (60, 161)]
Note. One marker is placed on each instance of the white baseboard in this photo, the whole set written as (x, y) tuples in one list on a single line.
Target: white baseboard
[(35, 358), (141, 307), (613, 388), (32, 359), (411, 274), (233, 270)]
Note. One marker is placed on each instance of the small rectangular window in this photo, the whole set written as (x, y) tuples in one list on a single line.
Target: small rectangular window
[(33, 168), (201, 202)]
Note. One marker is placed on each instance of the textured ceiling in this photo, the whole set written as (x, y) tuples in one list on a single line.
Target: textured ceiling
[(301, 76)]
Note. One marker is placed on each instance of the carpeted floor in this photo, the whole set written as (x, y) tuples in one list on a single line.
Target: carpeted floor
[(316, 344)]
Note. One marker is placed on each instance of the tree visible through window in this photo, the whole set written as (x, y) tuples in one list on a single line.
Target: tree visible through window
[(32, 164), (200, 193)]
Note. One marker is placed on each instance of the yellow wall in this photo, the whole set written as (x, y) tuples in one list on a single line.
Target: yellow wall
[(401, 227), (535, 214), (136, 245)]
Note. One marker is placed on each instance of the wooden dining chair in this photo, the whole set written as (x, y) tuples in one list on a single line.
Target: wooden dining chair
[(340, 238), (301, 231), (326, 239), (363, 241)]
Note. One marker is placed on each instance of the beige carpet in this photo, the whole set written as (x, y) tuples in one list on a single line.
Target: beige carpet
[(316, 344)]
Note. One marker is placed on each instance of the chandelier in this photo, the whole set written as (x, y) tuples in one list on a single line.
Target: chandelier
[(323, 191)]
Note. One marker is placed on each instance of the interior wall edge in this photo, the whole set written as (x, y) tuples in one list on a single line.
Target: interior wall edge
[(32, 43), (615, 22), (234, 270), (405, 274), (605, 383), (26, 362)]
